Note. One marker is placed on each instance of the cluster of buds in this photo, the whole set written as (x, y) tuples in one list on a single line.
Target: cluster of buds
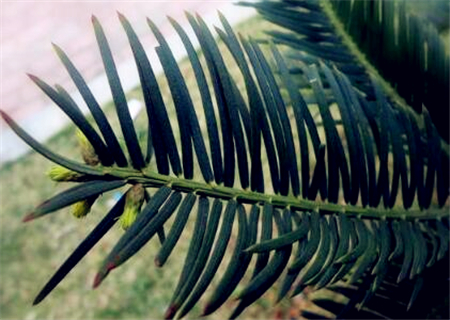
[(133, 203), (90, 157), (135, 196), (62, 174)]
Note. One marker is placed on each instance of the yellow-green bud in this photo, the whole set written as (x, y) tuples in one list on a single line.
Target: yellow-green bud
[(87, 150), (83, 207), (128, 217), (133, 202), (59, 173)]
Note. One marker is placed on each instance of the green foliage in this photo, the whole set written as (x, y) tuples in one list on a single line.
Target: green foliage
[(378, 168), (376, 36)]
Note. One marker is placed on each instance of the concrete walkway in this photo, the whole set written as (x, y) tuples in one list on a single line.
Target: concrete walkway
[(28, 29)]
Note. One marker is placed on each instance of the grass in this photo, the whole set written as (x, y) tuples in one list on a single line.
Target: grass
[(30, 253)]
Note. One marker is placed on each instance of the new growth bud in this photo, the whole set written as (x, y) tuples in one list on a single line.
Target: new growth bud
[(83, 207), (87, 150), (59, 173), (133, 202)]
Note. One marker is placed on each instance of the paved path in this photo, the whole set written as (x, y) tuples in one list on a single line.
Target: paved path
[(29, 28)]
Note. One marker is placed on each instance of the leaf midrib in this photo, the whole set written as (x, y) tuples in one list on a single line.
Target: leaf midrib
[(153, 179)]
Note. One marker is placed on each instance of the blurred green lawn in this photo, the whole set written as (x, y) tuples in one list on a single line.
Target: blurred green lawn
[(31, 252)]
